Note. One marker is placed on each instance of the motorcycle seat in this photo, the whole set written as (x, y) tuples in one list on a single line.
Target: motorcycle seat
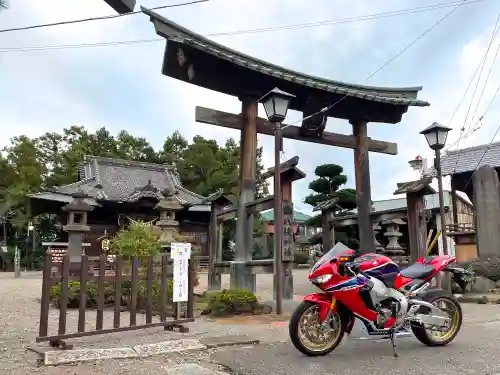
[(388, 279), (417, 271)]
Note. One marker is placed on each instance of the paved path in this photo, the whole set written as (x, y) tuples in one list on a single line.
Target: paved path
[(475, 351)]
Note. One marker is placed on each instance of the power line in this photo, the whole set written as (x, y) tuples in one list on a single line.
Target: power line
[(486, 80), (481, 66), (492, 138), (327, 108), (484, 153), (98, 18), (249, 31)]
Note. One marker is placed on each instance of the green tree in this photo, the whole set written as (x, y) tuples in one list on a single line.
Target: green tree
[(326, 187), (173, 148), (23, 157)]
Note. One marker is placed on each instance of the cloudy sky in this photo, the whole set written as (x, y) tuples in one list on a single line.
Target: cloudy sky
[(121, 87)]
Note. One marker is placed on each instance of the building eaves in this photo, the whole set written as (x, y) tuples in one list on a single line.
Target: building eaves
[(468, 159), (405, 96)]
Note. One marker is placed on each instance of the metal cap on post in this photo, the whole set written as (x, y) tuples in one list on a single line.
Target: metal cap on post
[(122, 6)]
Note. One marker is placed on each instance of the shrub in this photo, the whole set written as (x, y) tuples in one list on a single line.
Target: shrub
[(110, 294), (138, 239), (226, 302)]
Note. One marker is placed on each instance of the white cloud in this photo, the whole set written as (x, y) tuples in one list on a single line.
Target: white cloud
[(122, 86)]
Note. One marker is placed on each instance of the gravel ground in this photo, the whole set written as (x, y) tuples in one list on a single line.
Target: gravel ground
[(19, 320)]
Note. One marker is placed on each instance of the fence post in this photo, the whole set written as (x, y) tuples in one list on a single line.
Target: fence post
[(191, 277), (45, 303)]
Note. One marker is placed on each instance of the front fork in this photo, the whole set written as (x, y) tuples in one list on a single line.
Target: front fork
[(325, 324)]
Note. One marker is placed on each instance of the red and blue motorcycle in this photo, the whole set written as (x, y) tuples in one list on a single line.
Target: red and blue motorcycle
[(386, 299)]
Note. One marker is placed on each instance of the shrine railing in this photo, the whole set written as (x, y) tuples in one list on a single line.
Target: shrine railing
[(103, 289)]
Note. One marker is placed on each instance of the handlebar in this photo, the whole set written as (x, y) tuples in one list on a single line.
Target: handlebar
[(355, 269)]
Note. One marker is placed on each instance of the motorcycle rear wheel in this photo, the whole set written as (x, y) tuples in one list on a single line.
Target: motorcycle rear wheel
[(305, 329), (426, 335)]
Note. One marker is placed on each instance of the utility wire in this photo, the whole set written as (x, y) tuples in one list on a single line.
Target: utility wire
[(481, 65), (98, 18), (239, 32), (327, 108), (484, 153), (487, 78), (492, 138)]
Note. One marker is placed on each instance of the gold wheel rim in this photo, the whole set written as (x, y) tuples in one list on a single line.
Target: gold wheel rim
[(449, 307), (311, 333)]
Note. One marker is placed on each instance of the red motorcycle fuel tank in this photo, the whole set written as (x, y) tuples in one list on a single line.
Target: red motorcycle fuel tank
[(376, 264)]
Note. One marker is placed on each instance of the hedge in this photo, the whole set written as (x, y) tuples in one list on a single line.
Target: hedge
[(110, 293)]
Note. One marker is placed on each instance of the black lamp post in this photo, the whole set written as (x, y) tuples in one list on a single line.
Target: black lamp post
[(436, 135), (122, 6), (276, 104)]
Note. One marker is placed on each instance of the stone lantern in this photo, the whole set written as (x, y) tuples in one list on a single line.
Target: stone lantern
[(76, 225), (393, 249), (167, 207)]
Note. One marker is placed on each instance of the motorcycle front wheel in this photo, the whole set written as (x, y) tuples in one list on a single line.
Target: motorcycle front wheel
[(307, 333), (432, 336)]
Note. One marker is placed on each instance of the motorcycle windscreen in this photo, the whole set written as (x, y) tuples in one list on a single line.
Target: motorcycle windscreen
[(335, 252)]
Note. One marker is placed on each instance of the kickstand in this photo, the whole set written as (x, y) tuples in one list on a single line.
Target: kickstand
[(393, 342)]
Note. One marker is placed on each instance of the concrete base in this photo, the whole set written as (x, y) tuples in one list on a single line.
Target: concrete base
[(288, 281), (241, 278), (214, 281)]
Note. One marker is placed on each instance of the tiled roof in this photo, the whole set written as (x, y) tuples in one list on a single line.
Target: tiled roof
[(406, 96), (469, 159), (123, 180)]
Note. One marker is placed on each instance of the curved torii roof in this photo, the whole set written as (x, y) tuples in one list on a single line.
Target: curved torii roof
[(193, 58)]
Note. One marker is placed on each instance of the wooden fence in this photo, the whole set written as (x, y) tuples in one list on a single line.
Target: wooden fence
[(131, 284)]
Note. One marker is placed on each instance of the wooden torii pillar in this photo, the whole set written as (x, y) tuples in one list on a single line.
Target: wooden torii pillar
[(417, 227)]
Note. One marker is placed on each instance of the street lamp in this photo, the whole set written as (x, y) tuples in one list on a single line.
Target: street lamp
[(276, 103), (436, 135), (121, 6)]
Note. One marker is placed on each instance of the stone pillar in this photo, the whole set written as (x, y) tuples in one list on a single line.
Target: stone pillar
[(76, 226), (486, 200), (376, 230), (167, 207), (393, 249)]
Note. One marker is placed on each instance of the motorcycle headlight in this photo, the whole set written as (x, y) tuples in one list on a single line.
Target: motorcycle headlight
[(321, 279)]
